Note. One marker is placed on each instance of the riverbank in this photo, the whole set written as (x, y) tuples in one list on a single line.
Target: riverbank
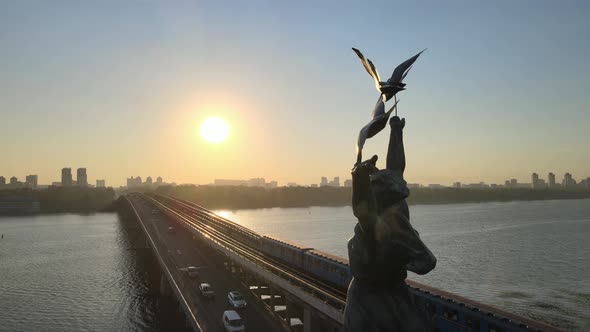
[(54, 200), (233, 197)]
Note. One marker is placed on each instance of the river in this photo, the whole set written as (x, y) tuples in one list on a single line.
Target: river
[(82, 273)]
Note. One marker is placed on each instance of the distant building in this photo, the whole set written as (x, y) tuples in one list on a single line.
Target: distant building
[(480, 185), (66, 177), (226, 182), (535, 181), (13, 181), (507, 183), (414, 185), (348, 183), (551, 180), (133, 182), (513, 183), (568, 181), (148, 181), (324, 182), (32, 181), (435, 186), (2, 181), (81, 177), (159, 180), (56, 184), (456, 184), (257, 182), (272, 184), (291, 184), (314, 185), (100, 183), (335, 182)]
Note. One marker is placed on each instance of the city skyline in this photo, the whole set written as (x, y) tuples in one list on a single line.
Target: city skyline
[(127, 97), (536, 181)]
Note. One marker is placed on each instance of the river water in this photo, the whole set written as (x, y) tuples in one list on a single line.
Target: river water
[(82, 273)]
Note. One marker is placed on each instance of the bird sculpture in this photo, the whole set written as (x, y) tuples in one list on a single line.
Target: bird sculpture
[(377, 124), (394, 84)]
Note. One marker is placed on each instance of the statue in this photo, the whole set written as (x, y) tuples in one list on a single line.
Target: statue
[(385, 245)]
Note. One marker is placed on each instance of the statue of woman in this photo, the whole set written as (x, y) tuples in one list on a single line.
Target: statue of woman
[(384, 247)]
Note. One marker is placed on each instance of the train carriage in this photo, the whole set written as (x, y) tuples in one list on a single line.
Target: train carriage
[(287, 251), (331, 268)]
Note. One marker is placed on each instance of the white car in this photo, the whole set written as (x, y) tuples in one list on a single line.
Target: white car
[(236, 300), (206, 290), (192, 271), (232, 322)]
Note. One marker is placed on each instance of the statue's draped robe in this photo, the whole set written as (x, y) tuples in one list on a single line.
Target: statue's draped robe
[(384, 247)]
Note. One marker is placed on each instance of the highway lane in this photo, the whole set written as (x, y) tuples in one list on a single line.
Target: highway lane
[(183, 250)]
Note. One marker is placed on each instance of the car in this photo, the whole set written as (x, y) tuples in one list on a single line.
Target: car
[(171, 229), (206, 290), (192, 271), (232, 322), (236, 300)]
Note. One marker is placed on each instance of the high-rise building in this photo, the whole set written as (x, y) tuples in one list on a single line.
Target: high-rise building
[(100, 183), (535, 181), (133, 182), (81, 177), (159, 180), (513, 183), (335, 182), (2, 181), (568, 181), (324, 181), (66, 177), (13, 181), (348, 183), (507, 183), (32, 181), (148, 180), (551, 180)]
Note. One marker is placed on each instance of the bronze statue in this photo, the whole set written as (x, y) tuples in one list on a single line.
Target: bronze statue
[(385, 245)]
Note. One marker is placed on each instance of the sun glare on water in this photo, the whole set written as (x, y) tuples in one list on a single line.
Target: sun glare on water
[(214, 130)]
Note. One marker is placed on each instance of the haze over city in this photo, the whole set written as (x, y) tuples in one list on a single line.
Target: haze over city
[(123, 88)]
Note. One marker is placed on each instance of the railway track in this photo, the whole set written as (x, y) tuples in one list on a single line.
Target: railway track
[(212, 226)]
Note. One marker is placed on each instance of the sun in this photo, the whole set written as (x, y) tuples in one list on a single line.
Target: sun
[(214, 130)]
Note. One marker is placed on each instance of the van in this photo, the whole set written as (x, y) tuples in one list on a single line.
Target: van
[(232, 322)]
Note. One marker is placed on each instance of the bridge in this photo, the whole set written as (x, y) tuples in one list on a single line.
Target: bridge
[(281, 295)]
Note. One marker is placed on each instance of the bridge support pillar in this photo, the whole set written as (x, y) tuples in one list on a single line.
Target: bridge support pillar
[(164, 286), (306, 320)]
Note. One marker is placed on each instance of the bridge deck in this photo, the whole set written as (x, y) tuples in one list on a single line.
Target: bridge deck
[(177, 251)]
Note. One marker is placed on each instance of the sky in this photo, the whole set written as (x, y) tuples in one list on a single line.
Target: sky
[(120, 87)]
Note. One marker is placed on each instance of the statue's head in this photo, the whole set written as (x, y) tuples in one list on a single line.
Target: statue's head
[(389, 188)]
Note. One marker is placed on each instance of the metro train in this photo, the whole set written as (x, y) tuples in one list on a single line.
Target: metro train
[(324, 266)]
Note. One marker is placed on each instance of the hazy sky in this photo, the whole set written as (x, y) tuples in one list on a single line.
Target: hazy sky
[(120, 87)]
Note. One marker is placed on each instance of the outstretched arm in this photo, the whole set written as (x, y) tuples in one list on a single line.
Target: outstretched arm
[(396, 158)]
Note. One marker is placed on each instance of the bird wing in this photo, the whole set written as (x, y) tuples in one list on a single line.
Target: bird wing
[(400, 72), (369, 67), (379, 107), (375, 125)]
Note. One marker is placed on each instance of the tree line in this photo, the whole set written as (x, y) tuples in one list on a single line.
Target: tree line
[(237, 197)]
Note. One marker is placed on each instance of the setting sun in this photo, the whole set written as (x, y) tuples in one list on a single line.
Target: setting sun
[(214, 130)]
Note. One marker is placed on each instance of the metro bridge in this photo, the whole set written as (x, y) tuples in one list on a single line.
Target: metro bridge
[(283, 294)]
